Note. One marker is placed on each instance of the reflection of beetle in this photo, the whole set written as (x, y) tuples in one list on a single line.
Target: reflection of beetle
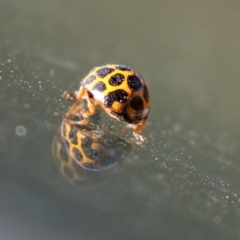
[(67, 165), (122, 93), (91, 147)]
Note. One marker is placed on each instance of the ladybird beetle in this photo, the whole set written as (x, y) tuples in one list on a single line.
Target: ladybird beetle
[(121, 92)]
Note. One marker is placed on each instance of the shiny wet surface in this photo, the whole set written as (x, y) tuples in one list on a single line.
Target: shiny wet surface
[(184, 183)]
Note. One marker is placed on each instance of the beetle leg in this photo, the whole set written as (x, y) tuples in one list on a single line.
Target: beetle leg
[(77, 109), (140, 139), (83, 122), (69, 96), (80, 93), (74, 110), (72, 96), (91, 107)]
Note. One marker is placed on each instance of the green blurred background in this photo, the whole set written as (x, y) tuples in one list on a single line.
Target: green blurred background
[(184, 183)]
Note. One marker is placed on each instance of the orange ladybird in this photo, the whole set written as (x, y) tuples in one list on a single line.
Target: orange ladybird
[(121, 92)]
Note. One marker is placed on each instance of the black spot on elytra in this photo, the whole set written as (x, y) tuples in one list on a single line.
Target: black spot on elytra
[(77, 154), (87, 146), (118, 95), (134, 82), (100, 86), (137, 103), (145, 93), (86, 142), (73, 136), (123, 68), (104, 71), (116, 79), (88, 80)]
